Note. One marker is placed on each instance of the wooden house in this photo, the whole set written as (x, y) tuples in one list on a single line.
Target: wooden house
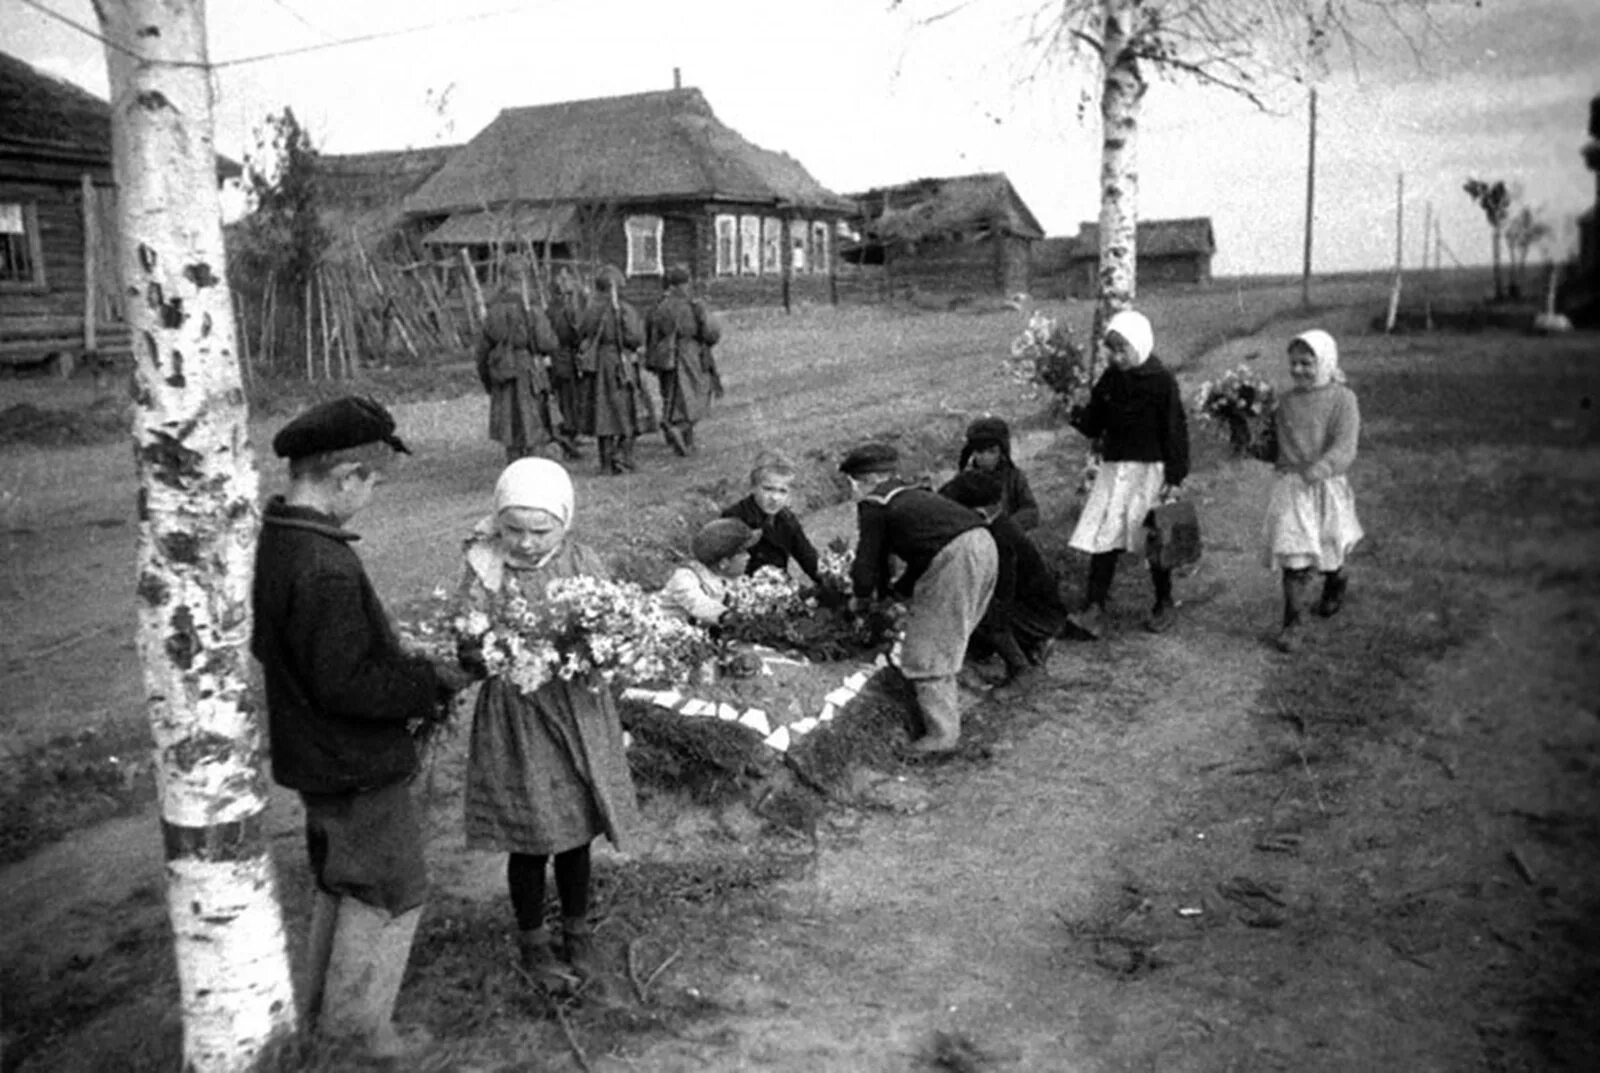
[(641, 181), (1168, 251), (966, 234), (58, 265), (359, 195)]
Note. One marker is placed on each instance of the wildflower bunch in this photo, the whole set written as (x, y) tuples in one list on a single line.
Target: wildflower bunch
[(1046, 353), (833, 567), (1243, 403), (767, 592), (582, 626)]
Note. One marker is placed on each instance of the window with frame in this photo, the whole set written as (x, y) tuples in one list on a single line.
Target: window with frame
[(819, 247), (644, 245), (772, 245), (727, 245), (799, 254), (749, 245), (20, 257)]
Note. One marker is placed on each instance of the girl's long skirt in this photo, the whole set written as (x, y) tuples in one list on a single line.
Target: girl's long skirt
[(1310, 524), (546, 773), (1113, 518)]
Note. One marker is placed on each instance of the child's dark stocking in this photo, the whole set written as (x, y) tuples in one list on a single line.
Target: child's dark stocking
[(1296, 595), (1333, 585), (572, 887), (1090, 621), (525, 877), (1164, 614)]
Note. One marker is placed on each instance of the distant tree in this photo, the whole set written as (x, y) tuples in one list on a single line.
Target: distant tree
[(198, 517), (1524, 231), (279, 244), (1239, 45), (1495, 201)]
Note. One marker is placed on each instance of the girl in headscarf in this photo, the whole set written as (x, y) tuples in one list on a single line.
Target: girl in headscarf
[(1136, 413), (546, 773), (1311, 515)]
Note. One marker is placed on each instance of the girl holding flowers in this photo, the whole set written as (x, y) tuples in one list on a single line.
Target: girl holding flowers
[(546, 770), (1136, 413), (1311, 519)]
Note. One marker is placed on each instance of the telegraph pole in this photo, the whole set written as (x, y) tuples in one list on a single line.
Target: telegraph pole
[(1311, 200)]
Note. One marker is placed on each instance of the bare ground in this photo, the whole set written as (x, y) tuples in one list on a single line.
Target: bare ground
[(1185, 853)]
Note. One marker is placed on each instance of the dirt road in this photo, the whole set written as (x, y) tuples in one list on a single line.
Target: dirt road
[(1184, 853)]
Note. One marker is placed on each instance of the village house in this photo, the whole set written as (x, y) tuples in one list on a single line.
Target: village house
[(965, 234), (58, 264), (1168, 252), (641, 181)]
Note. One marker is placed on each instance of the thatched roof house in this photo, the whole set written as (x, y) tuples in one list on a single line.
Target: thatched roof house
[(966, 233), (1169, 251), (56, 201), (361, 194), (641, 181)]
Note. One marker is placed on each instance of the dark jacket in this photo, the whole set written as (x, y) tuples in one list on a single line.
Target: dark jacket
[(1137, 415), (781, 537), (339, 689), (907, 521), (1016, 497), (1027, 597)]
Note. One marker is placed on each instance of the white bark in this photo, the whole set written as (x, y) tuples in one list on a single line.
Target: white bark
[(198, 519), (1121, 94)]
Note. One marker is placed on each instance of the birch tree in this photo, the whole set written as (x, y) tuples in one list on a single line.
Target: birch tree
[(197, 512), (1241, 46)]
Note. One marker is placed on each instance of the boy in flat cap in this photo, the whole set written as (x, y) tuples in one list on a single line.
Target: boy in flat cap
[(340, 695), (951, 565), (697, 591)]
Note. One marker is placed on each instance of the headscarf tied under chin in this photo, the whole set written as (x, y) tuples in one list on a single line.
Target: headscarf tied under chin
[(536, 483), (1135, 328), (1326, 351)]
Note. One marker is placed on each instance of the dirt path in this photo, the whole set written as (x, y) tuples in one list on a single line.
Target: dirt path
[(1152, 867)]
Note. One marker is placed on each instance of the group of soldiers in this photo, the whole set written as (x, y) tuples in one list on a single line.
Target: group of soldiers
[(577, 367)]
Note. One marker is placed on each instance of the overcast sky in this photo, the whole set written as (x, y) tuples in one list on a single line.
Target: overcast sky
[(866, 95)]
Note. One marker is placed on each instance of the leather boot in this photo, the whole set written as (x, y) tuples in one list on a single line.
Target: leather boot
[(608, 450), (1296, 594), (319, 949), (536, 954), (367, 962), (624, 461), (569, 447), (688, 439), (675, 440), (578, 946), (939, 700), (1333, 585)]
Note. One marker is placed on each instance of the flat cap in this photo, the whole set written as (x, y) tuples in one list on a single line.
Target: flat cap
[(870, 458), (721, 539), (352, 421)]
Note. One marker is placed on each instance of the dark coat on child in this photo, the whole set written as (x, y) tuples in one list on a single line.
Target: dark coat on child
[(782, 536), (1027, 596), (340, 691), (909, 522), (1137, 415), (1016, 496)]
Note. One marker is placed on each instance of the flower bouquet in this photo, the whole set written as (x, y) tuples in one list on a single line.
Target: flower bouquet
[(1243, 403), (584, 626), (833, 573), (1046, 353)]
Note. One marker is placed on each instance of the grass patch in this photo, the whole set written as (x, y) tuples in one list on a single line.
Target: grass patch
[(72, 781)]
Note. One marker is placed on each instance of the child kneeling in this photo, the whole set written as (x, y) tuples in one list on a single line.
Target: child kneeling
[(697, 591)]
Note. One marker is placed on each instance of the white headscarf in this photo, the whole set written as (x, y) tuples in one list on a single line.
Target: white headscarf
[(1135, 328), (1326, 351), (536, 483)]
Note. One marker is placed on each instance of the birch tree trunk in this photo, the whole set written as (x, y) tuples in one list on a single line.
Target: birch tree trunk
[(198, 519), (1120, 97)]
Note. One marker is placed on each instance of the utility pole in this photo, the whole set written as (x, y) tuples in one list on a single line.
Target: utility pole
[(1311, 200)]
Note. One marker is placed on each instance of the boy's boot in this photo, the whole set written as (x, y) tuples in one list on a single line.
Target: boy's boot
[(1333, 586), (368, 961), (675, 440), (939, 700), (1296, 594), (578, 942), (319, 949), (536, 953), (1022, 673)]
